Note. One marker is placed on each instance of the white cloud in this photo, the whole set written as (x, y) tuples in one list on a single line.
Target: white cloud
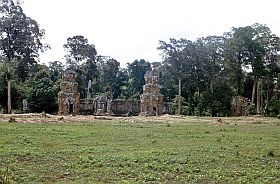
[(130, 29)]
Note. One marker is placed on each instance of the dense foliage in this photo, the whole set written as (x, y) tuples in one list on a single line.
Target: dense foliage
[(199, 77)]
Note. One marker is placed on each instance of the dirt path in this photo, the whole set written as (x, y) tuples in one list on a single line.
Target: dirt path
[(48, 118)]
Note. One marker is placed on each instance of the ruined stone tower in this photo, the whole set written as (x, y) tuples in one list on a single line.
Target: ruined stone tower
[(68, 97), (151, 99)]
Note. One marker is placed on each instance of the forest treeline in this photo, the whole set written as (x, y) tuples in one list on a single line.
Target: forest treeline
[(200, 77)]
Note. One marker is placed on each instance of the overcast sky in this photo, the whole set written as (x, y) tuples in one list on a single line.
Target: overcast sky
[(131, 29)]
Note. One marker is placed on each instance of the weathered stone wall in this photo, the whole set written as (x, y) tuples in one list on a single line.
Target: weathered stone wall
[(240, 106), (167, 108), (86, 106), (119, 107), (100, 105)]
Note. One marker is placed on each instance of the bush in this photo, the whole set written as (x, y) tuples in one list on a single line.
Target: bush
[(217, 103), (252, 109), (184, 110), (42, 94), (274, 106)]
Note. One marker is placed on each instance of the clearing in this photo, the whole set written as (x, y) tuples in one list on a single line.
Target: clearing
[(166, 149)]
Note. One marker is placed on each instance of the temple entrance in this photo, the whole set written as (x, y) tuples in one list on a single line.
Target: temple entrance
[(155, 110), (71, 107)]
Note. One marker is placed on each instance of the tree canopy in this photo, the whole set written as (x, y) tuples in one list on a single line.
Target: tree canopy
[(20, 41), (200, 77)]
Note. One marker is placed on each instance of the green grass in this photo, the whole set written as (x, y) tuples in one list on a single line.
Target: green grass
[(155, 152)]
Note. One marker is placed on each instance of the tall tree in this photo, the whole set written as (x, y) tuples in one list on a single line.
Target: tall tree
[(56, 69), (214, 57), (17, 92), (211, 52), (137, 70), (42, 93), (81, 57), (236, 53), (79, 51), (174, 60), (254, 45), (110, 74), (271, 66), (122, 89), (20, 37)]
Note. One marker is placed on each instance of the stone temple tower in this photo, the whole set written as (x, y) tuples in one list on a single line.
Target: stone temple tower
[(68, 97), (151, 99)]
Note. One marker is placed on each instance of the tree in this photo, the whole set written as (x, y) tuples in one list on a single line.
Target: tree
[(17, 92), (137, 70), (81, 57), (109, 75), (122, 90), (218, 101), (174, 60), (20, 38), (79, 51), (236, 53), (214, 48), (42, 93), (270, 63), (56, 69), (3, 89), (209, 60), (252, 45)]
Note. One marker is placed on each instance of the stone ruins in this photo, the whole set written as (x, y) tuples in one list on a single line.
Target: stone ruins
[(151, 102), (68, 97), (240, 106), (151, 99)]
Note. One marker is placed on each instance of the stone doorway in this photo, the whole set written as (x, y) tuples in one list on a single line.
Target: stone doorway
[(71, 107)]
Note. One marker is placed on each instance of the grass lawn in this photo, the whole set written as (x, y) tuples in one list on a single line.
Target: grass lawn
[(148, 150)]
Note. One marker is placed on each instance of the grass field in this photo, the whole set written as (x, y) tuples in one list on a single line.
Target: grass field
[(142, 150)]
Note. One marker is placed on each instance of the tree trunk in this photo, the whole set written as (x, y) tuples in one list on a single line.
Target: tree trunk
[(180, 96), (9, 105), (278, 80), (269, 93), (212, 93), (261, 95), (111, 93), (199, 103), (239, 78), (254, 91), (9, 97), (259, 105), (211, 86)]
